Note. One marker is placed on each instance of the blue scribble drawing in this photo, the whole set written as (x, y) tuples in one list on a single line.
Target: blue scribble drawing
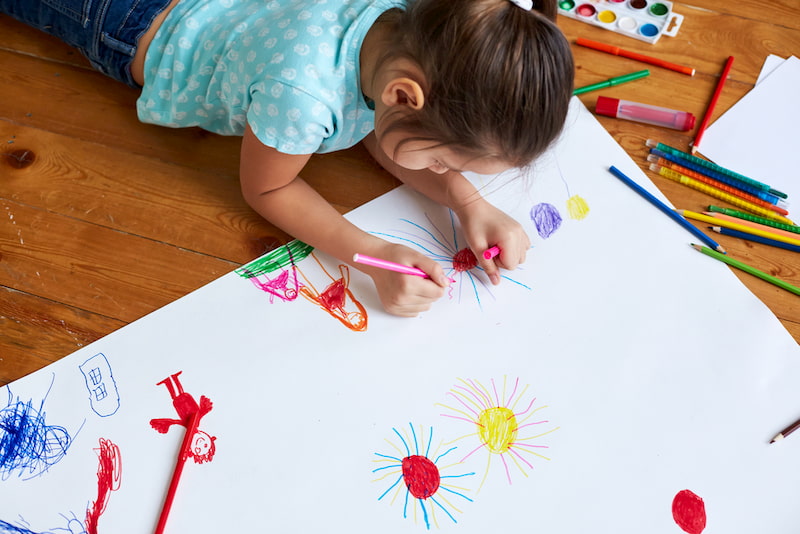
[(74, 526), (28, 445), (103, 393), (546, 219), (421, 476), (457, 259)]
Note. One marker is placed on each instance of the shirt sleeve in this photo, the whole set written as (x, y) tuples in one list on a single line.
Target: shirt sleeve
[(288, 119)]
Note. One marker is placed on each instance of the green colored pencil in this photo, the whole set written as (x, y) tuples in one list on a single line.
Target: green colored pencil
[(755, 218), (746, 268)]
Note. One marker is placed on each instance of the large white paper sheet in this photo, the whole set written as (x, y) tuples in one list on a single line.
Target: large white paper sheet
[(615, 376), (757, 137)]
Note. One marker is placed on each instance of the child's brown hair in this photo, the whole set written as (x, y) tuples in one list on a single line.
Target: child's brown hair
[(498, 78)]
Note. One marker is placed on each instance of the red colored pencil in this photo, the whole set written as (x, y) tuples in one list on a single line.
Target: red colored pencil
[(712, 104), (183, 455)]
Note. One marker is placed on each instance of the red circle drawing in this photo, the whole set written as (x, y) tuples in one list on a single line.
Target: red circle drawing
[(689, 512), (421, 476)]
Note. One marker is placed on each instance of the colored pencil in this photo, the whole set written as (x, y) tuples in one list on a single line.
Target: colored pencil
[(390, 266), (717, 193), (700, 177), (718, 176), (617, 51), (736, 226), (755, 219), (754, 225), (672, 214), (183, 455), (746, 268), (491, 252), (710, 109), (786, 431), (650, 143), (755, 238), (612, 81)]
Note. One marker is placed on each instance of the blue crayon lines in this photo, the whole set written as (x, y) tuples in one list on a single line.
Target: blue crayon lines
[(103, 394), (28, 445)]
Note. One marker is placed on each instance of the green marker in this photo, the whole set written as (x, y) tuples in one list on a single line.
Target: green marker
[(612, 81)]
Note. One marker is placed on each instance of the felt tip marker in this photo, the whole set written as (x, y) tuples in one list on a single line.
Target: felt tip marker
[(634, 111), (491, 252), (391, 266), (617, 51), (612, 81)]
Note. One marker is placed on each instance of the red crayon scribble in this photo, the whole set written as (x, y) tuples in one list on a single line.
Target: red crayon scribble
[(464, 260), (202, 444), (334, 299), (421, 476), (109, 475), (689, 512)]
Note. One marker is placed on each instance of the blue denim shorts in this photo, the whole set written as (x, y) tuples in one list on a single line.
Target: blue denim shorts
[(105, 31)]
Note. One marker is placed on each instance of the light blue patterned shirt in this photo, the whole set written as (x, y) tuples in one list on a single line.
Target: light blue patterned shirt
[(288, 68)]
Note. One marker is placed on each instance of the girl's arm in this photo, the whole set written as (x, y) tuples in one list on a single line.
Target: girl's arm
[(272, 187), (484, 225)]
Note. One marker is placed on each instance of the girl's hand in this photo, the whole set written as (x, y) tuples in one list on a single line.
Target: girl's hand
[(486, 226), (406, 295)]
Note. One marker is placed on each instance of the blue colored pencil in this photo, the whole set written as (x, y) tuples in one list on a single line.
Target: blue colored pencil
[(755, 238), (677, 217)]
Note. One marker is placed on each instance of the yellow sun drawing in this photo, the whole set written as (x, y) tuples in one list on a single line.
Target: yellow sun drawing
[(500, 428)]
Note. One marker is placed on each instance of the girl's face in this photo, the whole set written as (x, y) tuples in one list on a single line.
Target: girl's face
[(419, 155)]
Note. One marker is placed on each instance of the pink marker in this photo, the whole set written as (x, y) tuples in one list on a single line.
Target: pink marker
[(491, 252), (391, 266)]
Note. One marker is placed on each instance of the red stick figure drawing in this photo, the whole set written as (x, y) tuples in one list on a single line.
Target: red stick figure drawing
[(202, 446)]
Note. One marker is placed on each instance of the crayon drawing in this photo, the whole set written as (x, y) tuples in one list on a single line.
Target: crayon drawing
[(103, 394), (29, 446), (203, 445), (689, 512), (109, 473), (422, 477), (285, 285), (456, 258), (497, 425), (336, 299), (109, 477), (546, 217)]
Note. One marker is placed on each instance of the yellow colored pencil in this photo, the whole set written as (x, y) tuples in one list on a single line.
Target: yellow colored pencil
[(718, 193), (736, 226)]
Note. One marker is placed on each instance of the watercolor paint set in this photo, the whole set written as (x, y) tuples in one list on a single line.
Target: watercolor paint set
[(646, 20)]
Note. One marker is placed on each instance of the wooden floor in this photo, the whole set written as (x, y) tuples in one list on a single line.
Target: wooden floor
[(104, 219)]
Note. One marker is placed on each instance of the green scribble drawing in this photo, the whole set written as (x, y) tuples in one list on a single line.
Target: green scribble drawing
[(280, 258)]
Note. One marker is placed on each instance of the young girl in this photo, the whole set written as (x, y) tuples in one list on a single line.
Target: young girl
[(432, 87)]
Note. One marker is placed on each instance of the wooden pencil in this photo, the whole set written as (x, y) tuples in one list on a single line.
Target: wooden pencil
[(749, 270), (710, 109), (786, 431)]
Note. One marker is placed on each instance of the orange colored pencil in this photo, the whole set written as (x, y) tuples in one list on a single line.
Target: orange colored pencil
[(710, 109)]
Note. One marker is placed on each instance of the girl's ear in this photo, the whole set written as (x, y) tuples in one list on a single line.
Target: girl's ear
[(403, 92)]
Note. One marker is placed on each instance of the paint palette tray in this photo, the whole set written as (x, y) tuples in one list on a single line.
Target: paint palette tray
[(646, 20)]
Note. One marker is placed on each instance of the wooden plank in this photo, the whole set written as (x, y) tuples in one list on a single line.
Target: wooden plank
[(94, 268), (37, 332), (178, 205)]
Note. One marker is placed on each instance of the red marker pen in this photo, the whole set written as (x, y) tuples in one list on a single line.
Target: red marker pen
[(634, 111)]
